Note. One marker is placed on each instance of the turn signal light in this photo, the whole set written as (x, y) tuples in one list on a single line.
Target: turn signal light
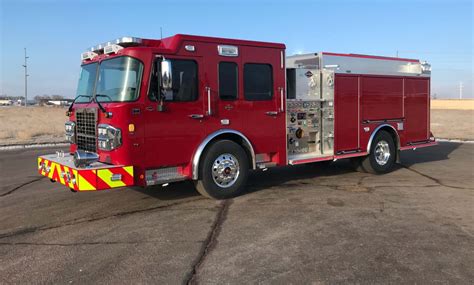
[(131, 128)]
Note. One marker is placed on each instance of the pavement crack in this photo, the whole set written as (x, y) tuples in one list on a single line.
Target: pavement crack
[(84, 243), (436, 180), (20, 186), (94, 219), (210, 242)]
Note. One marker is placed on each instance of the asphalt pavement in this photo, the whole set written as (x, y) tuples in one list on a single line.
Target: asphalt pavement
[(303, 224)]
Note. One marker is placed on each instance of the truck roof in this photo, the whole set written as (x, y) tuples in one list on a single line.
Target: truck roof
[(173, 43), (370, 56)]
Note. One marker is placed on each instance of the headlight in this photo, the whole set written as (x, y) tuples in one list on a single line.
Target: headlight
[(70, 128), (109, 138)]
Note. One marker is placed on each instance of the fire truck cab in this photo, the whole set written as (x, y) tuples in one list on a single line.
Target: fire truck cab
[(152, 112)]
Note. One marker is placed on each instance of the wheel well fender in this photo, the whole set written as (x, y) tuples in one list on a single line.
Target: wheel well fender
[(389, 129), (228, 134)]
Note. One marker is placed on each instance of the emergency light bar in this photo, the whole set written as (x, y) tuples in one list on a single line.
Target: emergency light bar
[(88, 55), (425, 67), (110, 47)]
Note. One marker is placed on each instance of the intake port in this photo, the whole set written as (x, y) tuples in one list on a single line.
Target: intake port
[(299, 133)]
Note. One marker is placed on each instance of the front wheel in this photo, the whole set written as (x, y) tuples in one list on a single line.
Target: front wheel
[(223, 170), (382, 154)]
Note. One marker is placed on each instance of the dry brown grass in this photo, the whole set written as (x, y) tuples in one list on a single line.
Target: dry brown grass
[(453, 124), (20, 125), (453, 104)]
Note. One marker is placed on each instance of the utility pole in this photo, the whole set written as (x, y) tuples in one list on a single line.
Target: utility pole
[(26, 79), (460, 89)]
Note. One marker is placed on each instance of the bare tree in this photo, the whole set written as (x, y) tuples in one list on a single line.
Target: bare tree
[(57, 97)]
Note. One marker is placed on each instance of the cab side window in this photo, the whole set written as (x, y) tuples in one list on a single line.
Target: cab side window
[(228, 80), (258, 82), (185, 81)]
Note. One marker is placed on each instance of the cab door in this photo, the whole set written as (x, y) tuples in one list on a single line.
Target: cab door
[(173, 134), (224, 74), (262, 103)]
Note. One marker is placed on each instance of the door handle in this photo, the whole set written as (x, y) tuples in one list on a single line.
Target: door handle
[(282, 108), (272, 113), (196, 116), (209, 111)]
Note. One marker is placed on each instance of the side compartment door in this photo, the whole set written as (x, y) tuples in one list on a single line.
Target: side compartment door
[(346, 108), (417, 111), (172, 135), (263, 101)]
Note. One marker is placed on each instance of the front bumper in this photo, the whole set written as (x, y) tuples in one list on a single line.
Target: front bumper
[(98, 176)]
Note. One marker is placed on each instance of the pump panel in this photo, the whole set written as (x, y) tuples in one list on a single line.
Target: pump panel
[(310, 113)]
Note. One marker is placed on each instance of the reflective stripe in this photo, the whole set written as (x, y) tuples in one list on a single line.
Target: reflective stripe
[(129, 170), (84, 185), (76, 186), (59, 170), (51, 167), (106, 176)]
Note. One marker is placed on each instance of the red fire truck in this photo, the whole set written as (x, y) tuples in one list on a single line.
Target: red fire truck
[(152, 112)]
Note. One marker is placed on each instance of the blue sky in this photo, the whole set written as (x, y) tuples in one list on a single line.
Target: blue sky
[(56, 32)]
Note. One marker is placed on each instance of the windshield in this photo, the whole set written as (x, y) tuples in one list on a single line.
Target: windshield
[(118, 81), (85, 86)]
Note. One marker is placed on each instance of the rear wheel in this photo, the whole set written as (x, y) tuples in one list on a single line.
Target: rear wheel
[(223, 170), (382, 154)]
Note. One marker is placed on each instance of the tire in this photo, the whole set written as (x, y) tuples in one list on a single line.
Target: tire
[(382, 154), (223, 170)]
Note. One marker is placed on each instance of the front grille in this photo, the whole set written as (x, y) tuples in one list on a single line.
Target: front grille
[(86, 121)]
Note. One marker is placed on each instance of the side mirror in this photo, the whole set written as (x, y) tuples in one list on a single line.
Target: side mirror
[(166, 75)]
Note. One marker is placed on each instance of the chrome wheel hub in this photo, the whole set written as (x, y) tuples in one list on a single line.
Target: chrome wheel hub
[(225, 170), (382, 152)]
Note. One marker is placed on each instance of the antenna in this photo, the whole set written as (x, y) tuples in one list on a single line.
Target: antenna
[(161, 33), (26, 79)]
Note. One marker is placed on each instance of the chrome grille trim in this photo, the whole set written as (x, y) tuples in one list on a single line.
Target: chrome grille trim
[(86, 128)]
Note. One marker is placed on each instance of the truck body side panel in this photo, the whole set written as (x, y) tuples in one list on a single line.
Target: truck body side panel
[(367, 101)]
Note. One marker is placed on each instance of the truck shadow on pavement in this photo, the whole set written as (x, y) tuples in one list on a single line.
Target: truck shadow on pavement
[(429, 154), (174, 191), (259, 180)]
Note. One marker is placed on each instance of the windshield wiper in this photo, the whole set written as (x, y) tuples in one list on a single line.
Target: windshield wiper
[(74, 101), (104, 95), (100, 105)]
